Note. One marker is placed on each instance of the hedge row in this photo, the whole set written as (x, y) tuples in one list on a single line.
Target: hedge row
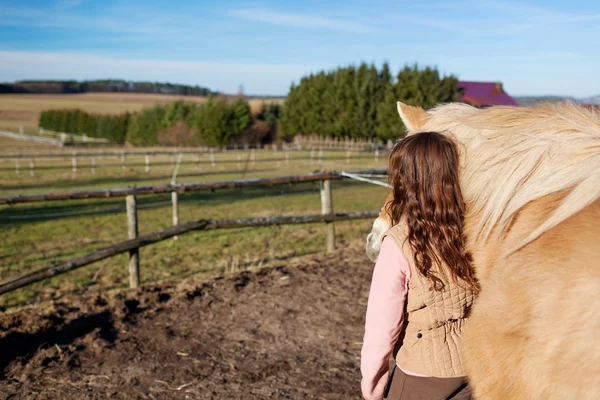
[(215, 123)]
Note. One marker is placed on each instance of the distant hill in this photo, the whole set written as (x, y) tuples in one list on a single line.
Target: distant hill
[(530, 100), (591, 100), (106, 85)]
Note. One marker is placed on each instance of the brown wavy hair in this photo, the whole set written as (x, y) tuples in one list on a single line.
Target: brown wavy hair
[(423, 170)]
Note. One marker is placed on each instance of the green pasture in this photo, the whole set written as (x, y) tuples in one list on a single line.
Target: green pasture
[(38, 234)]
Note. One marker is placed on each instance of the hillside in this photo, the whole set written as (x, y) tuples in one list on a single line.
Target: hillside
[(591, 100), (21, 109), (530, 100), (102, 86)]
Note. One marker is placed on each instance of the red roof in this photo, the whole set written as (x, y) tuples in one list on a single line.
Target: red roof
[(483, 94)]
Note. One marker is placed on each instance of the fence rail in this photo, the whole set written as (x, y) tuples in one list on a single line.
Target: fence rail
[(132, 245), (145, 240), (69, 152), (197, 162), (179, 188), (30, 138)]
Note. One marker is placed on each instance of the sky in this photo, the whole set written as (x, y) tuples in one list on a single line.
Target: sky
[(535, 47)]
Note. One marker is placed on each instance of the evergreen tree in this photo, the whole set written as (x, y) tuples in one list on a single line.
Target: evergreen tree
[(211, 121), (360, 101), (239, 119), (424, 88)]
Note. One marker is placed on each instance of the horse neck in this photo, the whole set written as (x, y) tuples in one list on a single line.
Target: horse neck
[(566, 240)]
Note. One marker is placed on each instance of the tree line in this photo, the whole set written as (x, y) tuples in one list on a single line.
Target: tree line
[(216, 122), (349, 101), (104, 85), (361, 101)]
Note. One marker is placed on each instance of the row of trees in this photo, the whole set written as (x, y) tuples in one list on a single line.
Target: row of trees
[(215, 123), (361, 101), (106, 85), (112, 127), (350, 101)]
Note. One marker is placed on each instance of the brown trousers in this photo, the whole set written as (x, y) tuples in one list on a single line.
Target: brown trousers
[(408, 387)]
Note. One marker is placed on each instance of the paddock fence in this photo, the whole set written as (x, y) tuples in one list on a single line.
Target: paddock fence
[(135, 242), (201, 158)]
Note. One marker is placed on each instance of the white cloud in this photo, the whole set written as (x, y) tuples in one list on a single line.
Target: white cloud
[(221, 76), (303, 21)]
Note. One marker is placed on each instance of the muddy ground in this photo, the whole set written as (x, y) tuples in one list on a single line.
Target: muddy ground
[(292, 331)]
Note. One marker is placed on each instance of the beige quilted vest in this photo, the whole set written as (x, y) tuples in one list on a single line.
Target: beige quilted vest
[(434, 320)]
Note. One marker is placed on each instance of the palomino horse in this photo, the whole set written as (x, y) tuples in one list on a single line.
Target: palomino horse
[(530, 178)]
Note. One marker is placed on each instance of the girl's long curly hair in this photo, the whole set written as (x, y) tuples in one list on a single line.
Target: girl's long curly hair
[(423, 170)]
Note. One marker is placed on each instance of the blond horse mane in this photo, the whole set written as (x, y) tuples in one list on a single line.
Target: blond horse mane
[(518, 155)]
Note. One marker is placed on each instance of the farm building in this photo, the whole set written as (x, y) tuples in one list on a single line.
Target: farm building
[(484, 94)]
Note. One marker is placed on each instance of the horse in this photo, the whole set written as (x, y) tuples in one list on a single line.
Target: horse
[(530, 178)]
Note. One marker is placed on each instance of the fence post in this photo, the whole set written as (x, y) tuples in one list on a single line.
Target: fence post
[(212, 158), (147, 163), (175, 201), (327, 208), (74, 162), (377, 154), (174, 196), (252, 157), (123, 161), (132, 233), (93, 165), (31, 167)]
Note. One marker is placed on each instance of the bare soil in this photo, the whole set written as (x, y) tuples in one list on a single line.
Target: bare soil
[(292, 331)]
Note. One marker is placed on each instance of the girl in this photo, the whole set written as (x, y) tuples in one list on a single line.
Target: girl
[(423, 282)]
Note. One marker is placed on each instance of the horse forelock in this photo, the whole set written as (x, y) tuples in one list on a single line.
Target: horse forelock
[(511, 156)]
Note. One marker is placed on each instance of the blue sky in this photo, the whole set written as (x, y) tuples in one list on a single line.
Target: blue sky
[(534, 47)]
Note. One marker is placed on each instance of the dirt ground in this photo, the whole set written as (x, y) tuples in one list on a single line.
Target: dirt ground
[(292, 331)]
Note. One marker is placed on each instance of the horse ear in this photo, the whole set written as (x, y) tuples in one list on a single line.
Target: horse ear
[(413, 117)]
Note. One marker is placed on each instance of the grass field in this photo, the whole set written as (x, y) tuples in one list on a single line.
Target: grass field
[(24, 109), (36, 235)]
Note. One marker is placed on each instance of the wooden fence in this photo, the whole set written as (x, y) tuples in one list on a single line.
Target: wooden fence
[(251, 159), (341, 142), (134, 243), (200, 151), (244, 158), (72, 138), (30, 138)]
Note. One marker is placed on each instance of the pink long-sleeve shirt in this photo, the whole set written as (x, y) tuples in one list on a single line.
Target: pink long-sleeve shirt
[(385, 318)]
